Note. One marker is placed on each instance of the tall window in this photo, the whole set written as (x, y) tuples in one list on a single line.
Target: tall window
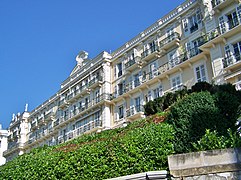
[(136, 79), (118, 69), (138, 104), (201, 73), (121, 112), (157, 92), (173, 58), (153, 69), (237, 50), (176, 82)]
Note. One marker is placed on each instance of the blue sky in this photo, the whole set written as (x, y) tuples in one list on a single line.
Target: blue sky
[(39, 40)]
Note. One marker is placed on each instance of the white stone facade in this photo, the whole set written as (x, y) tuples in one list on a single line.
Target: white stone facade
[(3, 144), (197, 41)]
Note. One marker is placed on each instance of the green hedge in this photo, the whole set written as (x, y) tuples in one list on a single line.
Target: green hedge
[(141, 146), (197, 112)]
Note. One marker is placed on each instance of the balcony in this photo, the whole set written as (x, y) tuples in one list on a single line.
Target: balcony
[(49, 116), (220, 34), (41, 120), (219, 5), (132, 64), (231, 60), (63, 103), (13, 147), (34, 125), (95, 82), (150, 53), (135, 112), (170, 41)]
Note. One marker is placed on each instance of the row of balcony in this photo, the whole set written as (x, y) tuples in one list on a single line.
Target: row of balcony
[(44, 119), (164, 44), (80, 130), (71, 115), (81, 91), (81, 110), (156, 72)]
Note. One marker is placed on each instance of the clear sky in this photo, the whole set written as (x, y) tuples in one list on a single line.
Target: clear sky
[(39, 40)]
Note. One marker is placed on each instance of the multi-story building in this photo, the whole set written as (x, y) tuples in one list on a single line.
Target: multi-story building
[(197, 41), (3, 144)]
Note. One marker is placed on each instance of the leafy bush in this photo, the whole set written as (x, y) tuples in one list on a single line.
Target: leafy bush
[(201, 86), (162, 103), (211, 140), (190, 117), (197, 112), (140, 147)]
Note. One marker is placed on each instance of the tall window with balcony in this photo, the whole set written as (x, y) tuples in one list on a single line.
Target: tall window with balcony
[(130, 60), (193, 22), (97, 96), (200, 72), (137, 79), (153, 70), (173, 58), (192, 47), (149, 48), (232, 54), (231, 20)]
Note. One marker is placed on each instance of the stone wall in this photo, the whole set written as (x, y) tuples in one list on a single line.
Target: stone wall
[(216, 164)]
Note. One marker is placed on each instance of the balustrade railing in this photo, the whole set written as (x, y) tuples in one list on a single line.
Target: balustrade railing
[(169, 38), (229, 60)]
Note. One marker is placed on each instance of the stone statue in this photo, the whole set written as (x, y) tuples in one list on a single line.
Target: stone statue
[(83, 55)]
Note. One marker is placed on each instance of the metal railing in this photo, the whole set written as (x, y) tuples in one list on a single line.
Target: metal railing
[(216, 2), (223, 28), (169, 39), (162, 69), (133, 110), (130, 63), (149, 51), (229, 60)]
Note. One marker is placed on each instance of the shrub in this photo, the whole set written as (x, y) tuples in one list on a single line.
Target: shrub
[(162, 103), (201, 86), (228, 106), (212, 140), (190, 117)]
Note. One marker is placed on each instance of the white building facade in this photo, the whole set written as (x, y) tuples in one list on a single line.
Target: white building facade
[(200, 40), (3, 144)]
